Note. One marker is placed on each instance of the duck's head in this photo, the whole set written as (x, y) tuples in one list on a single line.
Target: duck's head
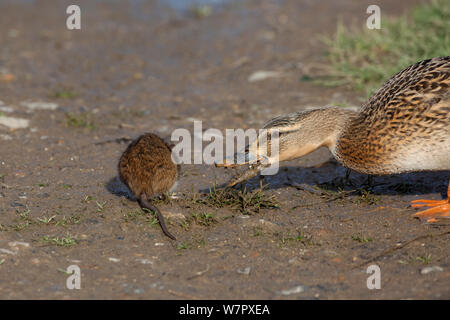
[(298, 133)]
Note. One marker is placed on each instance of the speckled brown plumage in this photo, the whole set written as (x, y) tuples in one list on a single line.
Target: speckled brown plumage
[(404, 126), (147, 169)]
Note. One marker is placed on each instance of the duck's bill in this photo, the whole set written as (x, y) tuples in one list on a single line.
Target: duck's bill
[(239, 159)]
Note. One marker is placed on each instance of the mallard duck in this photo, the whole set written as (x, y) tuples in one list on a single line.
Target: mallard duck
[(403, 127)]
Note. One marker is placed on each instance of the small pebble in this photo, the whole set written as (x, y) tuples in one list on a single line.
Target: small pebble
[(5, 137), (38, 105), (8, 251), (18, 243), (14, 123), (16, 204), (245, 271), (144, 261), (262, 75), (75, 261), (6, 109), (294, 290), (428, 270)]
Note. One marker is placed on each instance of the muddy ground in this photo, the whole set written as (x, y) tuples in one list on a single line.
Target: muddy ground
[(138, 66)]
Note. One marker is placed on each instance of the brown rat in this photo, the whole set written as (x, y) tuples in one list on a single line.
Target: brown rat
[(147, 169)]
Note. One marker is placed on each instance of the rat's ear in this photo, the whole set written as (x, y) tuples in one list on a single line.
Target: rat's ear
[(169, 142)]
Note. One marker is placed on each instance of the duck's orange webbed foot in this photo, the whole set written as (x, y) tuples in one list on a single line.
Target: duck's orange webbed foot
[(440, 208)]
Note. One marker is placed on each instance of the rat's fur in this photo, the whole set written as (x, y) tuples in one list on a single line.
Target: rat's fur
[(147, 169)]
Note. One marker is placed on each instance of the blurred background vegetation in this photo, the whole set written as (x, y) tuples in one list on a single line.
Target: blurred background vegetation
[(364, 58)]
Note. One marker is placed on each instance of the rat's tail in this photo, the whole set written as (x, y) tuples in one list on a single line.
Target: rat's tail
[(143, 202)]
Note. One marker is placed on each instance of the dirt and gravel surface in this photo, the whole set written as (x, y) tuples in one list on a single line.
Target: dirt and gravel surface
[(138, 66)]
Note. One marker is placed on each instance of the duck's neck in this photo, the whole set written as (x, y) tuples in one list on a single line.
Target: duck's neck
[(340, 120), (320, 128)]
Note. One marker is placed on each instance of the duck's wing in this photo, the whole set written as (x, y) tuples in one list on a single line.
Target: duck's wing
[(405, 125), (421, 89)]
